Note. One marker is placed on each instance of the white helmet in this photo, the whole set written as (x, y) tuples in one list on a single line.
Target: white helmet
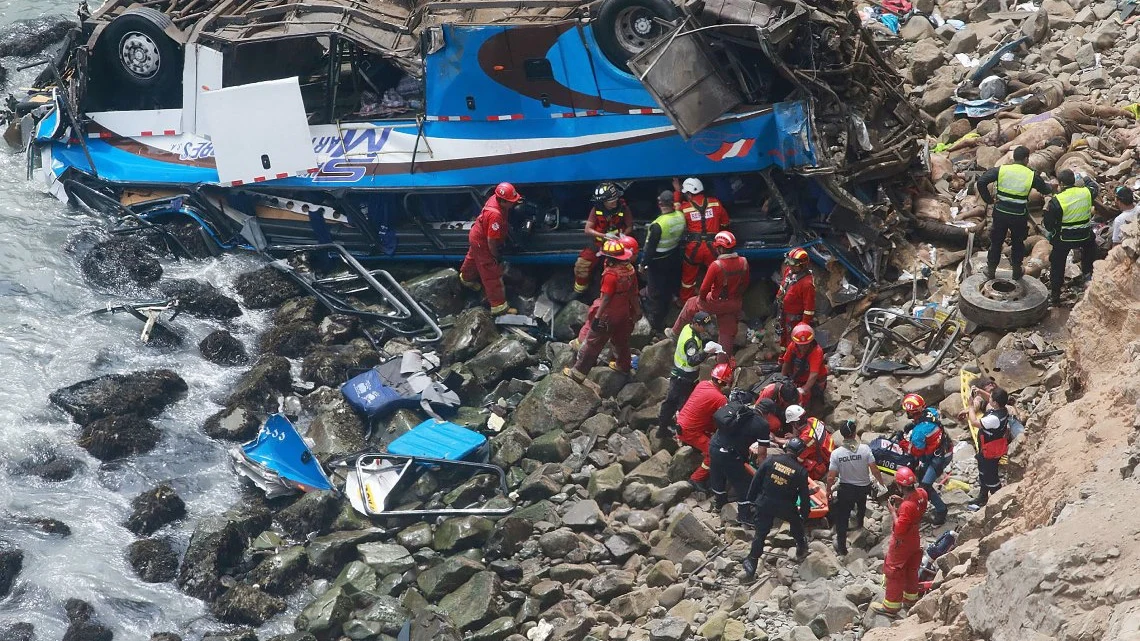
[(692, 186), (793, 413)]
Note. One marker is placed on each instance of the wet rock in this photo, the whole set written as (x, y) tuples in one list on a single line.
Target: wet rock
[(329, 553), (233, 424), (605, 484), (324, 616), (220, 347), (246, 605), (215, 548), (240, 634), (145, 393), (165, 636), (82, 624), (155, 508), (386, 558), (292, 340), (43, 524), (54, 468), (18, 632), (670, 629), (550, 447), (336, 430), (556, 402), (25, 38), (115, 437), (507, 538), (462, 532), (489, 365), (447, 575), (201, 300), (338, 329), (11, 562), (331, 366), (569, 320), (312, 513), (474, 329), (584, 515), (473, 603), (438, 289), (259, 388), (281, 573), (510, 446), (121, 262), (265, 288), (385, 615), (297, 310)]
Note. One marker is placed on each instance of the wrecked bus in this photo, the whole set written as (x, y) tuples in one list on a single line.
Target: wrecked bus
[(382, 125)]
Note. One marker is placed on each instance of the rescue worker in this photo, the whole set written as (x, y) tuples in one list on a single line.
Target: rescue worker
[(776, 488), (704, 217), (993, 443), (609, 218), (816, 439), (1010, 209), (1068, 226), (730, 449), (661, 261), (928, 443), (795, 299), (849, 475), (619, 307), (784, 393), (904, 552), (482, 268), (803, 362), (691, 351), (630, 243), (696, 418), (917, 411), (722, 292)]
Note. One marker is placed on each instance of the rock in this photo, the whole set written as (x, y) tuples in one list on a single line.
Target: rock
[(569, 320), (925, 59), (800, 633), (233, 424), (51, 467), (642, 521), (662, 574), (19, 632), (200, 299), (877, 395), (931, 387), (473, 603), (558, 543), (329, 553), (819, 600), (550, 447), (260, 387), (291, 341), (611, 584), (386, 558), (145, 394), (43, 524), (447, 575), (28, 37), (300, 309), (497, 630), (939, 93), (155, 508), (114, 437), (461, 533), (656, 361), (221, 348), (82, 625), (584, 515), (339, 329), (1132, 55), (916, 29), (439, 290), (265, 288), (622, 546), (685, 533), (507, 538), (121, 262), (357, 578), (605, 484), (1036, 26), (510, 446), (671, 628), (337, 430), (653, 471), (963, 41), (474, 329), (245, 605), (1086, 56), (505, 354), (384, 616), (11, 562), (283, 572), (216, 546), (556, 402), (609, 381), (634, 605), (312, 513), (684, 462), (671, 494), (820, 563), (570, 572), (540, 484), (859, 593), (713, 628), (325, 615), (328, 365)]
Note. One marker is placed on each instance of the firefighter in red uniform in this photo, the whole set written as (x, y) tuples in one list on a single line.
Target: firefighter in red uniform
[(704, 217), (904, 552), (803, 362), (722, 293), (696, 418), (481, 269), (619, 307), (608, 219), (796, 296), (630, 243)]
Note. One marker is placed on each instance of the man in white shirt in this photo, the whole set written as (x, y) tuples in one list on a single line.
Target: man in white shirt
[(1129, 210), (852, 466)]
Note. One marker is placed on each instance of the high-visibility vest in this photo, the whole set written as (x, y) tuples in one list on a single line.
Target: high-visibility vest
[(1013, 185), (672, 227), (1076, 213), (680, 359)]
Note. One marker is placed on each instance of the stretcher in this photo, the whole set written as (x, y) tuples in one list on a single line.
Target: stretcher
[(819, 500)]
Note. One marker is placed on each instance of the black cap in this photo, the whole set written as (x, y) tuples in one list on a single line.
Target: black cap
[(794, 446), (702, 318), (847, 428)]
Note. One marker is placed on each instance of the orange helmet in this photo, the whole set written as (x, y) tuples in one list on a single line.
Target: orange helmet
[(803, 334), (723, 373), (615, 250), (797, 256), (904, 476), (912, 404), (630, 243), (724, 240), (507, 192)]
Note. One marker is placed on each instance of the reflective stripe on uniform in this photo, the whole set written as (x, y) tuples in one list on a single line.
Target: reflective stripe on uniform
[(1076, 208), (1014, 183), (672, 227), (680, 358)]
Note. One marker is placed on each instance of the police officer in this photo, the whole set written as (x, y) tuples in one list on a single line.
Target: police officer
[(733, 445), (691, 351), (1068, 226), (778, 484), (1011, 209), (661, 260), (849, 476)]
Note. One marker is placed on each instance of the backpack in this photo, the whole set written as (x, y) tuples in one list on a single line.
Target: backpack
[(731, 416), (775, 377)]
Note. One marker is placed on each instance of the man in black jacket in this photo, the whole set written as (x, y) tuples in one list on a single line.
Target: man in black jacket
[(1068, 226), (734, 444), (779, 483), (1010, 208)]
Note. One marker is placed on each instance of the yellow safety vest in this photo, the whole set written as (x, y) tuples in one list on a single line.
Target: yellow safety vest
[(672, 227), (1013, 185), (1076, 213), (680, 358)]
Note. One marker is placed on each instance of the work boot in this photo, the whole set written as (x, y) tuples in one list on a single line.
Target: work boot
[(801, 551), (891, 613), (840, 547), (720, 499), (1054, 300), (575, 344), (574, 374), (745, 513), (749, 564), (614, 366), (990, 271), (699, 486), (938, 518), (474, 286), (1017, 274)]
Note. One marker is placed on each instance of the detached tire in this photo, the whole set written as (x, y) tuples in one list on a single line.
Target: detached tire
[(1003, 303), (139, 53), (625, 28)]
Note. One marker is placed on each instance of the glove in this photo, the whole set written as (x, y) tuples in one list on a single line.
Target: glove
[(599, 324), (800, 390), (713, 347)]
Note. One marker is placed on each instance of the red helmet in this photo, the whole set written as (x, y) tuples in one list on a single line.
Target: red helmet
[(803, 334), (507, 192), (905, 477), (797, 256), (630, 243), (913, 404), (725, 240), (616, 250), (723, 373)]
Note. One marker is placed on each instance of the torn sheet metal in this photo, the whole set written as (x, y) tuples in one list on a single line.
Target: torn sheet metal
[(279, 461)]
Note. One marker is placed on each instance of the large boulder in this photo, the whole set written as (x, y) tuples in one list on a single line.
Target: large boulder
[(145, 393), (337, 429), (221, 348), (473, 603), (114, 437), (259, 388), (656, 361), (246, 605), (332, 365), (11, 562), (925, 60), (473, 330), (121, 262), (447, 575), (569, 320), (439, 289), (50, 466), (233, 424), (313, 512), (462, 532), (556, 402), (384, 616), (201, 299), (265, 288), (489, 365), (216, 547), (154, 560), (292, 340), (18, 632), (155, 508), (685, 534), (878, 395), (28, 37), (820, 600), (283, 572), (82, 625), (325, 615)]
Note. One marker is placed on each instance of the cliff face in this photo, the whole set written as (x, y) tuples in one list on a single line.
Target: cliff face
[(1056, 555)]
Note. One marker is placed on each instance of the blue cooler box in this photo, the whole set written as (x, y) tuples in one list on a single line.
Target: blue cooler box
[(442, 440)]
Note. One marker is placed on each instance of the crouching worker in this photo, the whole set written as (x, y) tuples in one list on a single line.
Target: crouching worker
[(779, 484), (904, 552), (804, 363), (696, 418), (691, 350), (741, 433)]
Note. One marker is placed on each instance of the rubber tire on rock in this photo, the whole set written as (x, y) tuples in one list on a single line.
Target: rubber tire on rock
[(997, 314), (935, 232), (604, 25), (153, 24)]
